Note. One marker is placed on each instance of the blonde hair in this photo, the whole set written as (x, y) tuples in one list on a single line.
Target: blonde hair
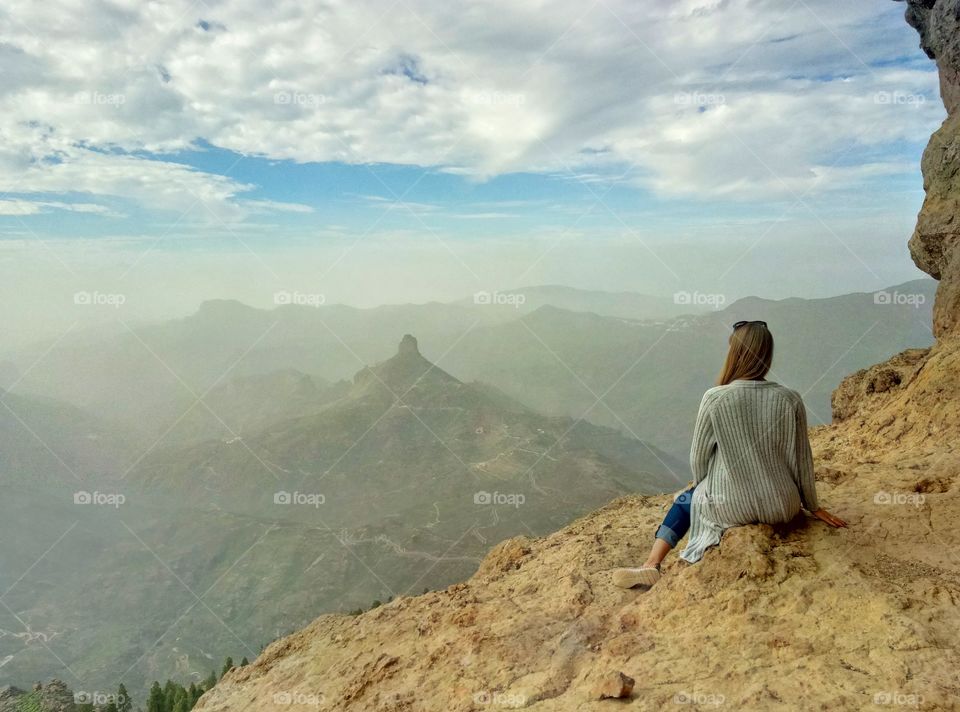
[(750, 354)]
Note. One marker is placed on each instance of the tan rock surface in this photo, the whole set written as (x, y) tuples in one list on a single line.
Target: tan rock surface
[(935, 245), (799, 617)]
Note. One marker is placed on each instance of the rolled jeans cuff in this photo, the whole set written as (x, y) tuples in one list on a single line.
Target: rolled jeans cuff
[(668, 535)]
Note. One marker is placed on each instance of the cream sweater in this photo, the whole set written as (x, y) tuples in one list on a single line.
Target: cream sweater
[(751, 461)]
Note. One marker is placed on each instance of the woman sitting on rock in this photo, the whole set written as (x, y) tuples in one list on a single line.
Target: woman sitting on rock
[(751, 458)]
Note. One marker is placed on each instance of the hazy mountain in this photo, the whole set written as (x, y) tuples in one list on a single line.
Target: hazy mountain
[(246, 404), (134, 375), (405, 427), (43, 440), (652, 374), (555, 360), (397, 485), (626, 305)]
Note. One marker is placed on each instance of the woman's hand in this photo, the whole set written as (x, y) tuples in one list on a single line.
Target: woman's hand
[(825, 516)]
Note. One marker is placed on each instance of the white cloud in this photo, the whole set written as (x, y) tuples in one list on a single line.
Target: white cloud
[(701, 97), (35, 207)]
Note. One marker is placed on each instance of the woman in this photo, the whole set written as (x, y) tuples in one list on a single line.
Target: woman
[(751, 458)]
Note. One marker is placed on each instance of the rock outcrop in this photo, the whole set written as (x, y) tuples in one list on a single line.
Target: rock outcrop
[(795, 617), (53, 696), (935, 245)]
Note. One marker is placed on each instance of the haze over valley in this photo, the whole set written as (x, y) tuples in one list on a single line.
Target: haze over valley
[(347, 347), (255, 455)]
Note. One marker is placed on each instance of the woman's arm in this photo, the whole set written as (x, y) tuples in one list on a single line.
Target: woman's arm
[(806, 482), (704, 441)]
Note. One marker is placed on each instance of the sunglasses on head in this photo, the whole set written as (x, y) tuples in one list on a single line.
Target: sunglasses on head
[(744, 323)]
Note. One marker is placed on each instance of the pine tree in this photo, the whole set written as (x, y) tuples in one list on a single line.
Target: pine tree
[(193, 694), (244, 662), (227, 666), (156, 701), (182, 704), (210, 681), (110, 707), (124, 703), (169, 695)]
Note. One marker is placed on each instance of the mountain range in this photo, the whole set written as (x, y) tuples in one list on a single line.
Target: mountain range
[(259, 459), (326, 497), (649, 372)]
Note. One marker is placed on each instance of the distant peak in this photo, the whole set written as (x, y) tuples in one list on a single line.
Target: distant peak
[(219, 306), (404, 370), (408, 345)]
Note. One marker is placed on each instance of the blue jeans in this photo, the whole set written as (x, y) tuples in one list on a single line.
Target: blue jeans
[(677, 522)]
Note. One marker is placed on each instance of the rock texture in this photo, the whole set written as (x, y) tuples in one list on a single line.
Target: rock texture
[(935, 245), (614, 685), (855, 391), (799, 617)]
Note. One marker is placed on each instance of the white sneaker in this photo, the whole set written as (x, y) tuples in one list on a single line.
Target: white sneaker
[(628, 578)]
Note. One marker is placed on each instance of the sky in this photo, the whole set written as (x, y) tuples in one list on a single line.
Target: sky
[(158, 154)]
